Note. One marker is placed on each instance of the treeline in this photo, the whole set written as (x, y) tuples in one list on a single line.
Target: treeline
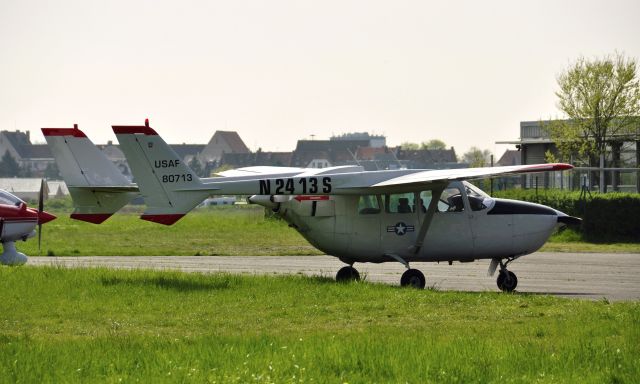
[(610, 217)]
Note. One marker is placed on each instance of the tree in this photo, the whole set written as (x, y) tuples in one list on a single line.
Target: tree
[(407, 146), (477, 157), (434, 144), (9, 166), (430, 145), (601, 101), (196, 167)]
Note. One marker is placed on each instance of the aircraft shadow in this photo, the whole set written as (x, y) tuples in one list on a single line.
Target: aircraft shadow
[(173, 283)]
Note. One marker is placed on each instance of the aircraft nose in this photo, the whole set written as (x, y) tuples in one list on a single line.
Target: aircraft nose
[(45, 217)]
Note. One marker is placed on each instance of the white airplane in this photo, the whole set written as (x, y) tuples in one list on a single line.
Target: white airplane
[(354, 215), (18, 222)]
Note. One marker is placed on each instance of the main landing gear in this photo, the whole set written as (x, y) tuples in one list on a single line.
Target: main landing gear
[(347, 273), (507, 280), (413, 278), (410, 278)]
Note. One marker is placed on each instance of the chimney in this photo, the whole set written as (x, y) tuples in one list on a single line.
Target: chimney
[(28, 135), (110, 142)]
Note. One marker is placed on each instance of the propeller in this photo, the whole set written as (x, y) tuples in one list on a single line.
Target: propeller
[(40, 209)]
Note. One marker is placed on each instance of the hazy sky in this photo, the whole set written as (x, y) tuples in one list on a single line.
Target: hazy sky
[(466, 72)]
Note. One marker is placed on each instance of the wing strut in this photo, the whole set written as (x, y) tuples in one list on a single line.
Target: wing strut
[(436, 193)]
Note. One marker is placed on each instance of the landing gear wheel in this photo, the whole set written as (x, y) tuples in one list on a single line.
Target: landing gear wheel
[(507, 281), (413, 278), (347, 274)]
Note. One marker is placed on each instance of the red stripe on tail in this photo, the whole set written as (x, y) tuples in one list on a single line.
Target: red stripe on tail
[(163, 219), (132, 129), (95, 218), (75, 132)]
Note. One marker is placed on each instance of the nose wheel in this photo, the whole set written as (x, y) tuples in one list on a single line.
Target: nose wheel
[(507, 280)]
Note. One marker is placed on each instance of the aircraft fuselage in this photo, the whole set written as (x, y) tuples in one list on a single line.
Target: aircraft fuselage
[(369, 228)]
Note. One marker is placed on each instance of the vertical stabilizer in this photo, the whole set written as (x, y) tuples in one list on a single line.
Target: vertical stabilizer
[(96, 185), (169, 186)]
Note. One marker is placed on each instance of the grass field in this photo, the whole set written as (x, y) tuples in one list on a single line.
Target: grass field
[(98, 325), (237, 230)]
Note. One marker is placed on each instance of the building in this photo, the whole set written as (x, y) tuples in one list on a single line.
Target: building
[(429, 158), (325, 153), (222, 142), (535, 142), (375, 141), (258, 158), (32, 157)]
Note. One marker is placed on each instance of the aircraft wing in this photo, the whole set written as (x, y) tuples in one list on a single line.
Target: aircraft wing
[(426, 177)]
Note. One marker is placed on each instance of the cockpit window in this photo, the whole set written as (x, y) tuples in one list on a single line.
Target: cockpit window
[(8, 199), (368, 205), (451, 200), (476, 203)]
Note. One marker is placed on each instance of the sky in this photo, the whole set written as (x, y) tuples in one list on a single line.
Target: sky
[(465, 72)]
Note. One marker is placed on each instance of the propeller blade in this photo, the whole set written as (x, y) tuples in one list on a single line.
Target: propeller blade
[(41, 197), (40, 209)]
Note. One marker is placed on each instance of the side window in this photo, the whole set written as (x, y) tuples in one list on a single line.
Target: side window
[(368, 205), (400, 203), (425, 200), (451, 201)]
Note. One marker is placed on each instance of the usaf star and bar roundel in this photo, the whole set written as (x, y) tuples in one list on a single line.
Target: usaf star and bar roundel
[(400, 228)]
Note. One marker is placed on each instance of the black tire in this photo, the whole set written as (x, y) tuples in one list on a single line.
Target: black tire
[(347, 274), (413, 278), (507, 282)]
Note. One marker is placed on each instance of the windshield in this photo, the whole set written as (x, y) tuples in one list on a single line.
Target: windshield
[(8, 199), (478, 199), (472, 190)]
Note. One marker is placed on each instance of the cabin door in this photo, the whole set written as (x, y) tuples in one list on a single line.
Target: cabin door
[(365, 227)]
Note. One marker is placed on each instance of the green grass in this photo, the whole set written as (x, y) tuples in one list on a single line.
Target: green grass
[(98, 325), (570, 240)]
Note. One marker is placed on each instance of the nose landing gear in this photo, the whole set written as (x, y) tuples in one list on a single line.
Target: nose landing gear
[(507, 280)]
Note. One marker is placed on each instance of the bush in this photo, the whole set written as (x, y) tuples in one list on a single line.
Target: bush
[(610, 217)]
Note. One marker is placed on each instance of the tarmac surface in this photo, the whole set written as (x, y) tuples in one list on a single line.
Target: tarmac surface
[(576, 275)]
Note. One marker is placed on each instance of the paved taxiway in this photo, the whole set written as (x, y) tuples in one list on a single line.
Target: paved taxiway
[(577, 275)]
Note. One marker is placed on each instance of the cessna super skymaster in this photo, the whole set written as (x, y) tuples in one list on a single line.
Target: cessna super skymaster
[(359, 216)]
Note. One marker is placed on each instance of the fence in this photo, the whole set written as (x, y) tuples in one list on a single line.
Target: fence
[(592, 179)]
